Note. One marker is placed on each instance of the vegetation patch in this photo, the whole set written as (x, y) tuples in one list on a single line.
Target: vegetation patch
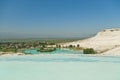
[(89, 51)]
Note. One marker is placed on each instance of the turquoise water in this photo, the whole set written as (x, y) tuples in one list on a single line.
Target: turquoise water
[(57, 51), (59, 67)]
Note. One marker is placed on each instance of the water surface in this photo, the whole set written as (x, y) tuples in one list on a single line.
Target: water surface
[(57, 51), (59, 67)]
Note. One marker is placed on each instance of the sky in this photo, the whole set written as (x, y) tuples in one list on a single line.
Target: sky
[(57, 18)]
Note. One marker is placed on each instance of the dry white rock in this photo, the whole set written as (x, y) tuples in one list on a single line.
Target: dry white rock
[(106, 40)]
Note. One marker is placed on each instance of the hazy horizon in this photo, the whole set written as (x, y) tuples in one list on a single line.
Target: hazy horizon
[(57, 18), (30, 36)]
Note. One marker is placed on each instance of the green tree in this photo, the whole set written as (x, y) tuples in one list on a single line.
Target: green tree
[(70, 46), (78, 45), (89, 51)]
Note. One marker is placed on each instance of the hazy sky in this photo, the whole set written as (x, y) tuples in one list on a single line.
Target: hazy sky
[(57, 18)]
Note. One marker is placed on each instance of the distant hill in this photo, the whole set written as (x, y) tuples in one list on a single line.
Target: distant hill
[(36, 36)]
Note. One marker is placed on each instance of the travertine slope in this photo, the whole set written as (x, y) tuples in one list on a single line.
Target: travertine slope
[(104, 41)]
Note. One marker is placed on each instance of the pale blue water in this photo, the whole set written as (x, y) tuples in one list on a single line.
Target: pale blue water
[(57, 51), (59, 67), (60, 58)]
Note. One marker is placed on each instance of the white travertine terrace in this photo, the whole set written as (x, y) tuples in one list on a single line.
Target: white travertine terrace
[(106, 41)]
